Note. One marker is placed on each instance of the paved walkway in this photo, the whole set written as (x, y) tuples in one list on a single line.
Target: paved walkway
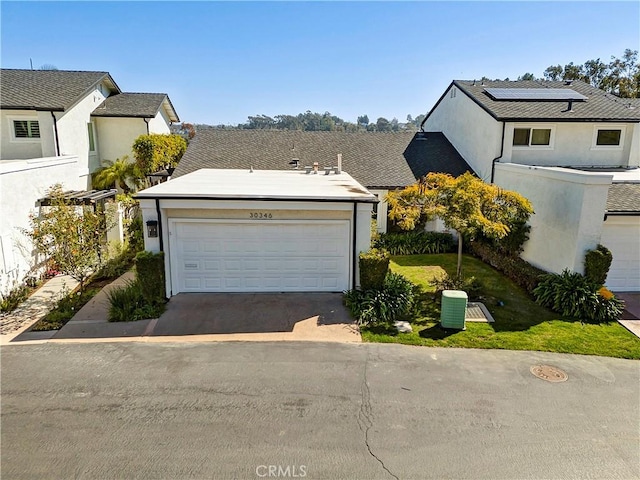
[(35, 307), (631, 316)]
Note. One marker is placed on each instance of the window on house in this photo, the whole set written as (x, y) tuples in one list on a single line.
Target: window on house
[(26, 129), (92, 141), (526, 137), (608, 138)]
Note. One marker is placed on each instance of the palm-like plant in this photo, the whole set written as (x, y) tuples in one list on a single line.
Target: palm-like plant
[(122, 173)]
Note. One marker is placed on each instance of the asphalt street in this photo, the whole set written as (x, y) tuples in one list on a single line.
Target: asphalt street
[(313, 410)]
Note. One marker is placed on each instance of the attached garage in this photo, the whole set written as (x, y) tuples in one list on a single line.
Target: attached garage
[(259, 231), (621, 235)]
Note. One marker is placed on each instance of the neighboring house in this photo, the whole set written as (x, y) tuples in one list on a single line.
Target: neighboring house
[(571, 149), (57, 127), (379, 161)]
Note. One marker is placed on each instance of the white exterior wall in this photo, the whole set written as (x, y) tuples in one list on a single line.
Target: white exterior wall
[(25, 148), (569, 212), (572, 145), (22, 183), (381, 221), (72, 131), (240, 210), (117, 135), (160, 123), (471, 130)]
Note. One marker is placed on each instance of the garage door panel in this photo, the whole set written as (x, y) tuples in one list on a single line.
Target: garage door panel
[(218, 256), (623, 241)]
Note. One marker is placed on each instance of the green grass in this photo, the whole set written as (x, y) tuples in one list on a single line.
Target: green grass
[(520, 324)]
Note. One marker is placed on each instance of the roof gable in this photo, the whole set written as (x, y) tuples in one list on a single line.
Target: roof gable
[(143, 105), (599, 106), (384, 160), (55, 90)]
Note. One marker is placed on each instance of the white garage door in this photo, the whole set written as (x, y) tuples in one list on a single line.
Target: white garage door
[(286, 256), (623, 239)]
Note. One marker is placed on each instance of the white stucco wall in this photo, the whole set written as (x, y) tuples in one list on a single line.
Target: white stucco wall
[(117, 135), (26, 148), (160, 123), (471, 130), (240, 210), (569, 212), (72, 131), (22, 183), (572, 145)]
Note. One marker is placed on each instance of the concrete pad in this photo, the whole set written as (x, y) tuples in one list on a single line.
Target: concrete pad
[(631, 305), (278, 316)]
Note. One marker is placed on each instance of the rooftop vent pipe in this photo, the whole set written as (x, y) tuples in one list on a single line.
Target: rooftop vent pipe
[(339, 163), (568, 82)]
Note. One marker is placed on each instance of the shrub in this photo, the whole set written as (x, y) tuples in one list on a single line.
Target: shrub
[(511, 244), (150, 276), (156, 151), (65, 310), (596, 264), (385, 305), (15, 297), (471, 285), (518, 270), (415, 243), (573, 295), (127, 304), (374, 266), (120, 260)]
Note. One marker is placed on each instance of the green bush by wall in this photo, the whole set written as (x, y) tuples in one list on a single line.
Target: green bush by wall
[(374, 266), (150, 276), (596, 265)]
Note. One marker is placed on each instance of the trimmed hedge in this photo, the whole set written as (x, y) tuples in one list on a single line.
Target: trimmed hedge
[(374, 266), (518, 270), (415, 243), (596, 264), (150, 276)]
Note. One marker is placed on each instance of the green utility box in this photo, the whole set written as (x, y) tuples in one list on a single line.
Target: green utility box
[(454, 309)]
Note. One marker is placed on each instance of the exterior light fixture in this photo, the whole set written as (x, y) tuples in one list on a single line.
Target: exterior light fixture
[(152, 229)]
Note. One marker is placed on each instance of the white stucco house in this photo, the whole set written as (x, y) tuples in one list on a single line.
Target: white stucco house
[(250, 230), (57, 127), (241, 213), (571, 149)]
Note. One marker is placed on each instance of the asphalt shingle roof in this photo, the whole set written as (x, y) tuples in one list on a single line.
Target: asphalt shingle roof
[(624, 197), (599, 106), (47, 89), (144, 105), (384, 160)]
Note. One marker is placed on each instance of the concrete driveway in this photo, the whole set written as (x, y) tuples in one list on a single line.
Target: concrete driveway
[(297, 314)]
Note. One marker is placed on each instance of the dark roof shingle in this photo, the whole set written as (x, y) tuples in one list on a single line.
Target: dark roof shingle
[(145, 105), (599, 106), (47, 89), (624, 197), (385, 160)]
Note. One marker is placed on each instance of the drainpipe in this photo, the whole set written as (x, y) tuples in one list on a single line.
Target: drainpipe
[(354, 255), (493, 163), (146, 120), (55, 131), (159, 224)]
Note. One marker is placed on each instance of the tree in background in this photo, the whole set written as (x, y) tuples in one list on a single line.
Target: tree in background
[(72, 236), (465, 204), (154, 152), (121, 174)]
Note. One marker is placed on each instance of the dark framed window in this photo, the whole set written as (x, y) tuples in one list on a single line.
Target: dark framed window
[(26, 129), (608, 138), (526, 137)]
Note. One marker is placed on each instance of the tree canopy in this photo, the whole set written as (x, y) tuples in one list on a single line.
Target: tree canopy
[(154, 151), (465, 204)]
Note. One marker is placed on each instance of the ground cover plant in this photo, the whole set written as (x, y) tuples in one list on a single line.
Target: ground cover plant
[(520, 323)]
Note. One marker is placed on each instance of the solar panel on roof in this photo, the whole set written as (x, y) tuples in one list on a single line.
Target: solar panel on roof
[(546, 94)]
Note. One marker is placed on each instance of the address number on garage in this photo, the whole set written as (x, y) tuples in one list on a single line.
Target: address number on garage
[(260, 215)]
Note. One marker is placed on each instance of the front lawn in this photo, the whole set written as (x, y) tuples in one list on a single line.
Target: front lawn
[(520, 323)]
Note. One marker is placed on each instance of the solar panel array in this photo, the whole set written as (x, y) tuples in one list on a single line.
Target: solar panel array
[(532, 94)]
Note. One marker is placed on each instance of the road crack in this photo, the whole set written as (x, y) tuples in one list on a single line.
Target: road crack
[(365, 416)]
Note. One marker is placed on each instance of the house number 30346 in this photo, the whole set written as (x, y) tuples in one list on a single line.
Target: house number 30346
[(260, 215)]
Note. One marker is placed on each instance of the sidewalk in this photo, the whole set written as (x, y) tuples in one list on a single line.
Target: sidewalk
[(35, 307), (631, 315)]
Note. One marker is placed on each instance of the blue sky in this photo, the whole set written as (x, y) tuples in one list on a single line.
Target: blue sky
[(222, 61)]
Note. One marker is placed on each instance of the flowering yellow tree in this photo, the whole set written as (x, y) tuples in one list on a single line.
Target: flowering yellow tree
[(465, 204)]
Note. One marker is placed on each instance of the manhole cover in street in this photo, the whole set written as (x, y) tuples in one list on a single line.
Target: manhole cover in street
[(549, 373)]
